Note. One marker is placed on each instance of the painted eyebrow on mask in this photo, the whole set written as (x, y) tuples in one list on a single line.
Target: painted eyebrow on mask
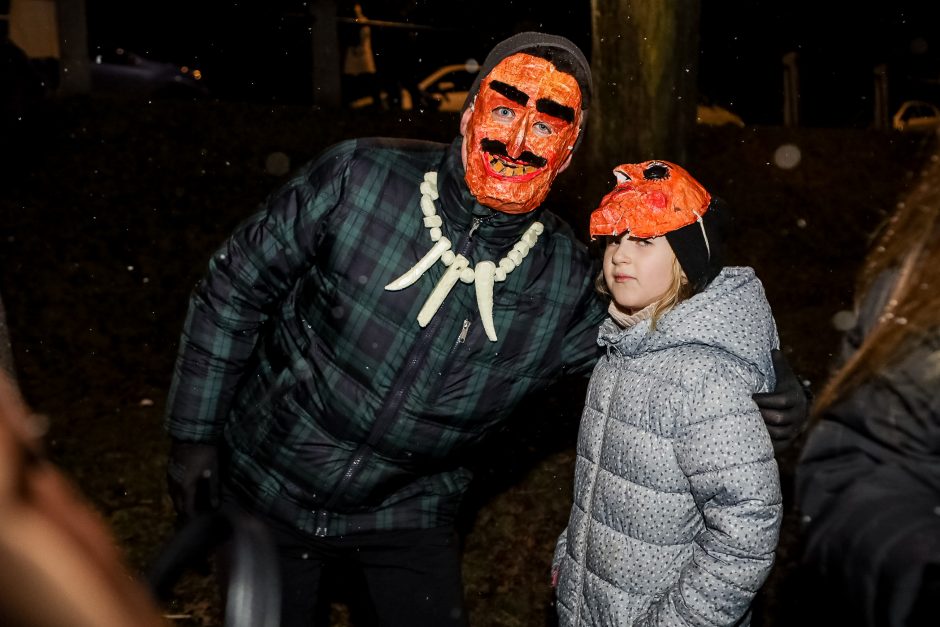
[(555, 109), (513, 93)]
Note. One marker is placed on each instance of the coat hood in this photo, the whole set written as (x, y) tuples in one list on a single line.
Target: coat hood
[(731, 314)]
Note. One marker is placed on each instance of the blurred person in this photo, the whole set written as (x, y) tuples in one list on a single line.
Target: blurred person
[(59, 565), (677, 501), (379, 316), (868, 478)]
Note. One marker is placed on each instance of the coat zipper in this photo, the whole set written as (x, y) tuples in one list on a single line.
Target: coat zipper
[(387, 413), (465, 328), (463, 333)]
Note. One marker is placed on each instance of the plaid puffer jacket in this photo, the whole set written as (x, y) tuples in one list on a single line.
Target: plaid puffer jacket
[(340, 413)]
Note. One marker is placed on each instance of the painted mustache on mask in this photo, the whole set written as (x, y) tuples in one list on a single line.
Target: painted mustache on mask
[(498, 148)]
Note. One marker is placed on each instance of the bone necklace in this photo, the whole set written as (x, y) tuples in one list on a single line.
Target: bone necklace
[(483, 275)]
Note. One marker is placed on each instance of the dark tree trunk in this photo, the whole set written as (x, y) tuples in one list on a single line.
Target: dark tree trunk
[(326, 62), (74, 73), (644, 57)]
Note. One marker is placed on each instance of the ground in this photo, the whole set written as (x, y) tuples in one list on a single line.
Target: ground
[(111, 208)]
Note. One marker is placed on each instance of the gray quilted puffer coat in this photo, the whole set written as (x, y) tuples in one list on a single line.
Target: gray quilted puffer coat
[(677, 503)]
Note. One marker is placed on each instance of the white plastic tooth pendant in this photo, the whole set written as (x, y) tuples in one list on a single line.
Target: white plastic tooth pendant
[(484, 276), (415, 272), (441, 290)]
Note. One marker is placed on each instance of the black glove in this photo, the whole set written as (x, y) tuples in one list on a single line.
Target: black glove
[(786, 409), (192, 477)]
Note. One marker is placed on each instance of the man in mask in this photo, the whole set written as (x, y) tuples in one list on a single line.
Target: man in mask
[(384, 311)]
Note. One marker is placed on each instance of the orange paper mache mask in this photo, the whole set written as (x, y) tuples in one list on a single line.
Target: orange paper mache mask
[(650, 199), (520, 133)]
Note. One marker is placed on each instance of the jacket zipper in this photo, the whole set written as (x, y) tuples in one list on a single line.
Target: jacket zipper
[(389, 410), (435, 390), (465, 328), (463, 334)]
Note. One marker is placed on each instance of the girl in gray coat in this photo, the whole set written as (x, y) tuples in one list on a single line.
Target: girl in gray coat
[(677, 503)]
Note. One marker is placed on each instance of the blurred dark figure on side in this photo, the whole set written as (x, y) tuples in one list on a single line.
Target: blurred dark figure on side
[(868, 479)]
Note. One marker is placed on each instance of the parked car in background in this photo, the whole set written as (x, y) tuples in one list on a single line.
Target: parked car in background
[(916, 115), (118, 70), (445, 89), (714, 115)]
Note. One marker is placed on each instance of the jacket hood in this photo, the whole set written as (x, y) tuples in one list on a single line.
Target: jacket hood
[(731, 314)]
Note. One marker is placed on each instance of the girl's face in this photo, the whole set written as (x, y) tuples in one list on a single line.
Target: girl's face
[(638, 272)]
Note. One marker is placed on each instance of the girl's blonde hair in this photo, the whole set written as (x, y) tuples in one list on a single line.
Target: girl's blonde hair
[(679, 290), (909, 244)]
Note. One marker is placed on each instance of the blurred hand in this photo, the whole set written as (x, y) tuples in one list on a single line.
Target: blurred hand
[(786, 409), (59, 563), (193, 478)]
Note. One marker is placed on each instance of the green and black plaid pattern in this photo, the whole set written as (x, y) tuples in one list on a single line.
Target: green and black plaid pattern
[(340, 412)]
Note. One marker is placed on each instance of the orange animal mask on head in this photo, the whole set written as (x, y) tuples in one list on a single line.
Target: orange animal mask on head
[(520, 132), (650, 199)]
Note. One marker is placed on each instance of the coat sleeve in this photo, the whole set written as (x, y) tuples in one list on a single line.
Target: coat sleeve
[(247, 279), (871, 528), (727, 456)]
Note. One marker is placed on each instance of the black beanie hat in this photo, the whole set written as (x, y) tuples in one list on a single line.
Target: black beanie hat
[(699, 246), (562, 52)]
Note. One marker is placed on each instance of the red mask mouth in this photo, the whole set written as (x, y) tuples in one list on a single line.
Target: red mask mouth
[(501, 165)]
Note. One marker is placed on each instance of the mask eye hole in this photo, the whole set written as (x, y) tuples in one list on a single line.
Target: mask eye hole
[(621, 177), (655, 172)]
